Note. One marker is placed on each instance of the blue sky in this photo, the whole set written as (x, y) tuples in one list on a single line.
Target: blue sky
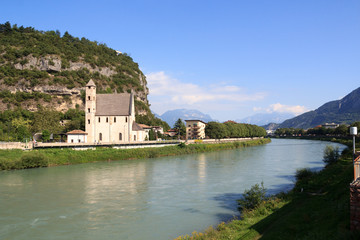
[(230, 59)]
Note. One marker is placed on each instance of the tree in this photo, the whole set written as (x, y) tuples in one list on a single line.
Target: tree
[(215, 130), (45, 135), (180, 127), (152, 135)]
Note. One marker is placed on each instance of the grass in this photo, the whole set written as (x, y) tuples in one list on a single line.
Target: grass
[(15, 159), (317, 208)]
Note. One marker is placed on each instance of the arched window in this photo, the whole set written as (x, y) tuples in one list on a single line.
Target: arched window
[(100, 136), (99, 119), (114, 119), (88, 97), (88, 121), (120, 136), (88, 109), (107, 119), (125, 119)]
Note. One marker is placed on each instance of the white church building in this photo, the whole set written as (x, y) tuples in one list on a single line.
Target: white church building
[(110, 118)]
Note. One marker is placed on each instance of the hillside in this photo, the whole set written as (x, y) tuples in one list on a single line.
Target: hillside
[(343, 111), (48, 71), (38, 67)]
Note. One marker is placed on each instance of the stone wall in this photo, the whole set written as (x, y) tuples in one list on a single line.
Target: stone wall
[(355, 205)]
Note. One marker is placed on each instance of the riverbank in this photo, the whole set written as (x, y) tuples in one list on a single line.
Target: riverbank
[(18, 159), (317, 208)]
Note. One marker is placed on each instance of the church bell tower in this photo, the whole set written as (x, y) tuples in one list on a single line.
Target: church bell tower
[(90, 110)]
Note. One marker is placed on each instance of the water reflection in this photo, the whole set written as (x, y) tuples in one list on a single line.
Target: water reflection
[(145, 199)]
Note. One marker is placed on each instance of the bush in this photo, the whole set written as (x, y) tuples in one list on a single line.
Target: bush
[(182, 145), (303, 173), (253, 197), (34, 160), (331, 154)]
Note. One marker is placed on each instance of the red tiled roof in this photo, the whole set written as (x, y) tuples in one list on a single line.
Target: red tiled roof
[(76, 132)]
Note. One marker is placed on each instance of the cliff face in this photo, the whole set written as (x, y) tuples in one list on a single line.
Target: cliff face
[(42, 68)]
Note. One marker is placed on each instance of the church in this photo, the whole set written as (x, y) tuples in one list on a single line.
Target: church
[(110, 118)]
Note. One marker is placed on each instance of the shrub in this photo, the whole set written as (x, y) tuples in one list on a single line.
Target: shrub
[(182, 145), (331, 154), (253, 197), (34, 160), (303, 173)]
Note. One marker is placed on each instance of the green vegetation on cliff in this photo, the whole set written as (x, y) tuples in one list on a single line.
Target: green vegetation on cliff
[(44, 69)]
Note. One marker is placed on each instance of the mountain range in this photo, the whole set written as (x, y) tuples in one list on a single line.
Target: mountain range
[(261, 119), (343, 111), (172, 116)]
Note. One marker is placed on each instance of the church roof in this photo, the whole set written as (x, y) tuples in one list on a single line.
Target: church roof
[(136, 127), (90, 83), (113, 104)]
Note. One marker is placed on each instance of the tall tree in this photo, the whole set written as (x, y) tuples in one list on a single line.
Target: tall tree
[(180, 127)]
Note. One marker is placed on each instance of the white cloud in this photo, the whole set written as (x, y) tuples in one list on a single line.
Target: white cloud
[(161, 84), (278, 107)]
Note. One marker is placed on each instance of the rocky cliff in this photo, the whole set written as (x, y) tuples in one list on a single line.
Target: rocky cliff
[(45, 69)]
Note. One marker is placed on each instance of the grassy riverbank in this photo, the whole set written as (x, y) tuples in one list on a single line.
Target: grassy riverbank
[(317, 208), (18, 159)]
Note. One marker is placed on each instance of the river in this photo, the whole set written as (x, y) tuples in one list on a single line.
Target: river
[(159, 198)]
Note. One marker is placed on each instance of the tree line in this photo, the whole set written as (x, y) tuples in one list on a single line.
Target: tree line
[(216, 130), (341, 130)]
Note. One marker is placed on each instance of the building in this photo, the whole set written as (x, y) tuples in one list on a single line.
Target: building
[(76, 136), (195, 129), (110, 117), (330, 125)]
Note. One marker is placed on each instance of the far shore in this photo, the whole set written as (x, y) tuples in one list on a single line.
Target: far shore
[(19, 159)]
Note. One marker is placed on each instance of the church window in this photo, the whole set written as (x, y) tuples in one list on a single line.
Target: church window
[(107, 119), (100, 136), (89, 87), (88, 97), (134, 137), (88, 109), (114, 119), (125, 119), (99, 119), (120, 136), (88, 121)]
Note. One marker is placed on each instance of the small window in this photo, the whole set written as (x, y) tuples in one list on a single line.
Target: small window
[(120, 136), (114, 119), (79, 140), (72, 140), (88, 109), (89, 87), (88, 121), (107, 119), (99, 119), (88, 97), (125, 119), (134, 137), (100, 136)]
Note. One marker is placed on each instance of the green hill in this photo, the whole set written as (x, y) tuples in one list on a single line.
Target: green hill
[(46, 70), (343, 111)]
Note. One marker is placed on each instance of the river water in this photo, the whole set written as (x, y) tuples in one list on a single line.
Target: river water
[(159, 198)]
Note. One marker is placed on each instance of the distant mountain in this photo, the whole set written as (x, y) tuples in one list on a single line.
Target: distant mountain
[(343, 111), (185, 114), (271, 126), (261, 119)]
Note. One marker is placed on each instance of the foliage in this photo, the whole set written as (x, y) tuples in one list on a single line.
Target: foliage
[(303, 174), (45, 135), (180, 127), (34, 160), (252, 197), (229, 129), (331, 154)]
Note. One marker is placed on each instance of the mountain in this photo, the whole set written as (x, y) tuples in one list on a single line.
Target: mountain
[(261, 119), (185, 114), (43, 76), (343, 111), (271, 126), (43, 68)]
